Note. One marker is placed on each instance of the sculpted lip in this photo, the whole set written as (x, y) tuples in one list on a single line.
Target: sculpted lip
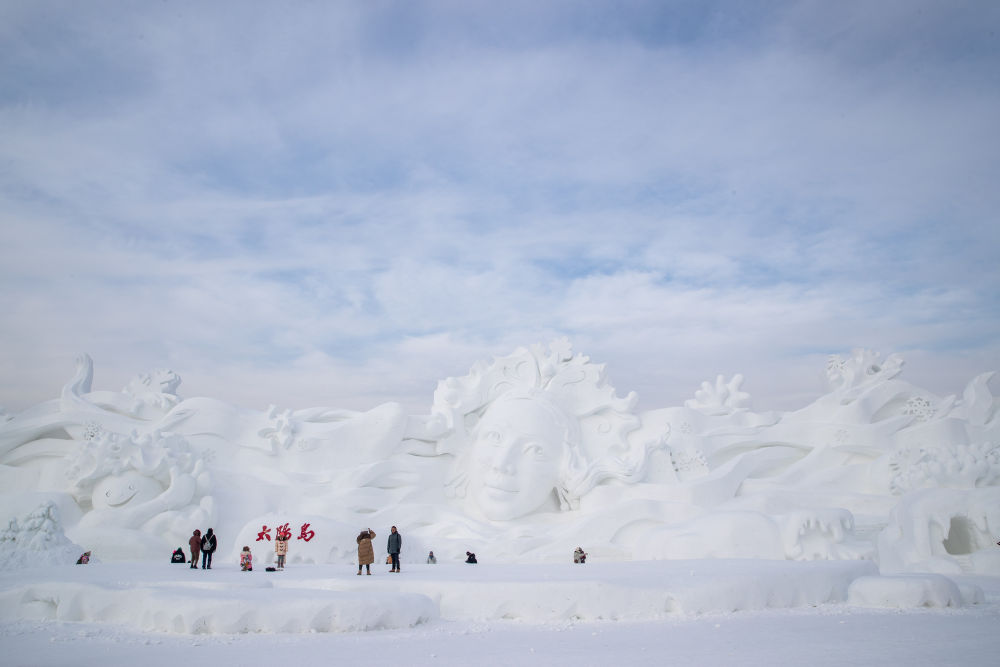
[(123, 500)]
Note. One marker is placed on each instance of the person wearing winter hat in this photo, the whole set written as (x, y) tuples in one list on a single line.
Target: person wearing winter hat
[(394, 547), (281, 550), (209, 543), (366, 554), (246, 560), (194, 543)]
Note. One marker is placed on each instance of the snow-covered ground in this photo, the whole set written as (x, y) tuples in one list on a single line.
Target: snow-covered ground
[(745, 612)]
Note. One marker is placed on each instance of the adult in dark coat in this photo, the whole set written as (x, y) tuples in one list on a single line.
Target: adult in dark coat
[(194, 543), (394, 547), (209, 543)]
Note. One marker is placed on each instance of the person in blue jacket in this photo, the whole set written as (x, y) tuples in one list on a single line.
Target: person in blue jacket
[(394, 547)]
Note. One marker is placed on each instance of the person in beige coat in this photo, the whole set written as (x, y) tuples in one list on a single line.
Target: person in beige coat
[(366, 554), (281, 550)]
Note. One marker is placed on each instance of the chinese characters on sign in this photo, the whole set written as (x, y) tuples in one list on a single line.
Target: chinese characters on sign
[(282, 531)]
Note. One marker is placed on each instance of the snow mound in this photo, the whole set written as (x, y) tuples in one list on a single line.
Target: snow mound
[(37, 540), (216, 610), (328, 598), (906, 591)]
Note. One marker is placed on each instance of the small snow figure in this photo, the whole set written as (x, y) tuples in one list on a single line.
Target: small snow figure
[(579, 556), (431, 560), (246, 560), (470, 557), (84, 559), (178, 556)]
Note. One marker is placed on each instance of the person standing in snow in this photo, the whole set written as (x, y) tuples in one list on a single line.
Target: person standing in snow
[(431, 560), (246, 560), (209, 544), (194, 543), (281, 550), (366, 554), (394, 546)]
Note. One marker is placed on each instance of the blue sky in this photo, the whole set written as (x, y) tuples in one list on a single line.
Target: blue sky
[(325, 203)]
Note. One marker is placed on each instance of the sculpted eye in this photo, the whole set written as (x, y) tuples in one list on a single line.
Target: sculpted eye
[(534, 450), (131, 487), (492, 437), (107, 494)]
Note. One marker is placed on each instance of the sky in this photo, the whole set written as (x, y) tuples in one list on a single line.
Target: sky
[(342, 203)]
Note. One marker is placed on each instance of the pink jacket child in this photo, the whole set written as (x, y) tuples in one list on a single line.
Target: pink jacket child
[(246, 560)]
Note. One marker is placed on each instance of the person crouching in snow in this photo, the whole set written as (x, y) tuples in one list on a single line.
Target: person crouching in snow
[(366, 554), (246, 560), (281, 550), (579, 556)]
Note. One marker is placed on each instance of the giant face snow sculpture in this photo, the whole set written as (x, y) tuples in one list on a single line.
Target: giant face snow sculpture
[(536, 422), (119, 490), (521, 449)]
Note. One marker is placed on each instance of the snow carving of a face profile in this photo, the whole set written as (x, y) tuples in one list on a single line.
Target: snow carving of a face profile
[(116, 491), (518, 454)]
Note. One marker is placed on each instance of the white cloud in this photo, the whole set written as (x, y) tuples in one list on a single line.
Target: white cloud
[(340, 203)]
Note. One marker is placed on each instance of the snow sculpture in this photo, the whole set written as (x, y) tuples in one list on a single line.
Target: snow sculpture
[(152, 483), (37, 539), (721, 399), (524, 455), (535, 422)]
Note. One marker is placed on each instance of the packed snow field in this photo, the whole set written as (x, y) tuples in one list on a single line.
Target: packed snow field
[(713, 611)]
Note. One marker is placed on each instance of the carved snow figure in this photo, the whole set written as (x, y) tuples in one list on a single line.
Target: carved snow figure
[(153, 484), (536, 431), (523, 455), (522, 446)]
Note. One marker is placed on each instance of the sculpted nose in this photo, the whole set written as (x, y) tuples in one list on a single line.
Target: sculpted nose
[(504, 460)]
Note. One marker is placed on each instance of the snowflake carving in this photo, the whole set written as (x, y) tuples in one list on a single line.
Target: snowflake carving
[(688, 462), (919, 407)]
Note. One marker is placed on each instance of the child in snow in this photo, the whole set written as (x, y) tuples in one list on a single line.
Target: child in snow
[(281, 550), (579, 556), (84, 559), (246, 560)]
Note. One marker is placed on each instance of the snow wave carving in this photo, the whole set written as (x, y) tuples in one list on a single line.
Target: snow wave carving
[(523, 459), (944, 465)]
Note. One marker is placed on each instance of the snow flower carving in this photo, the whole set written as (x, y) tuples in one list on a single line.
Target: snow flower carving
[(721, 399)]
